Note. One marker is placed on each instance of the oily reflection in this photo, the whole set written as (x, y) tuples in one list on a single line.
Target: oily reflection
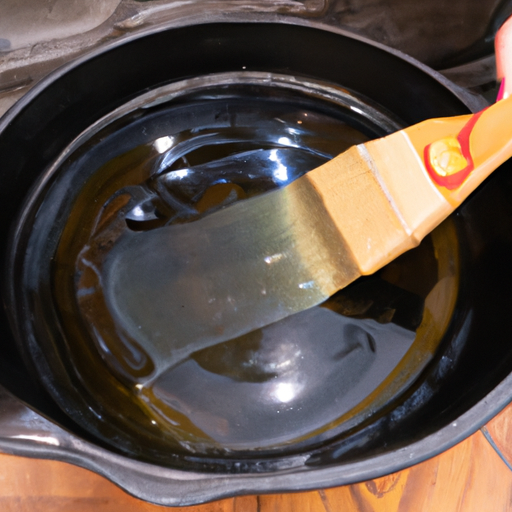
[(290, 380), (301, 372)]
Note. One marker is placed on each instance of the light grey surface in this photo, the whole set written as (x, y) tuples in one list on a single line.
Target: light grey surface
[(27, 22)]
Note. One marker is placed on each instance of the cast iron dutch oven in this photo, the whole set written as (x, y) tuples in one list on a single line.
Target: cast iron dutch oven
[(463, 384)]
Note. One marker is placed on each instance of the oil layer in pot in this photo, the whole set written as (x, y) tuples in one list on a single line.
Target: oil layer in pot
[(299, 379)]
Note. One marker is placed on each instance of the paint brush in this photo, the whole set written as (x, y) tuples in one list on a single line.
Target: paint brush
[(181, 288)]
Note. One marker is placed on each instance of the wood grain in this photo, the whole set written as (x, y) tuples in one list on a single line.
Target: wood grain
[(500, 431), (470, 477)]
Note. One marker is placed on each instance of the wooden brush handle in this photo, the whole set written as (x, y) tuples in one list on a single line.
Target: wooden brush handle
[(386, 195), (460, 152)]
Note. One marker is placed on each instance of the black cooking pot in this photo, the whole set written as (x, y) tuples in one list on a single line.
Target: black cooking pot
[(464, 383)]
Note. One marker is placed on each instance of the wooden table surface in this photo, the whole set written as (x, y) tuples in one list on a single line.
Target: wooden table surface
[(473, 476)]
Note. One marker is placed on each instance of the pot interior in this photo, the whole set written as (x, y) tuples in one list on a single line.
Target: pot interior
[(386, 362)]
